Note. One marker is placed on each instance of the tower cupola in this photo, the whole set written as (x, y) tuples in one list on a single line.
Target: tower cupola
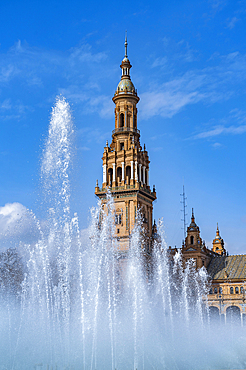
[(125, 86)]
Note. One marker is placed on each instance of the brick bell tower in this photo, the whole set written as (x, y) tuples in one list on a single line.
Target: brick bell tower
[(126, 165)]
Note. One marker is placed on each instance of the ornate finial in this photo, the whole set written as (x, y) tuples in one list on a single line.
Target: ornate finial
[(97, 184), (126, 45), (107, 143), (144, 147), (192, 217)]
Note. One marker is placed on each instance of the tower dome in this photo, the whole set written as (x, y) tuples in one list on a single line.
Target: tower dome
[(125, 85)]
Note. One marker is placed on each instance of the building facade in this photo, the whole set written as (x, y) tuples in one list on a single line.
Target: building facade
[(226, 298), (126, 168), (126, 165)]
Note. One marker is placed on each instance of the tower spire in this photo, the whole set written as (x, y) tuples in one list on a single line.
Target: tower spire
[(192, 216), (126, 45), (218, 243), (217, 231)]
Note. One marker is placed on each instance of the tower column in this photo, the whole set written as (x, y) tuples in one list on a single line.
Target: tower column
[(136, 171), (118, 119), (123, 171), (125, 118), (114, 172), (104, 173), (144, 175), (147, 177), (131, 170)]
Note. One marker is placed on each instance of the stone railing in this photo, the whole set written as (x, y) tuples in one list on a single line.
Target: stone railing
[(126, 129), (125, 187)]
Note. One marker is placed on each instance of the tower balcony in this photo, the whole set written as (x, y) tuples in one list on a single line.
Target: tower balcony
[(127, 188), (126, 129)]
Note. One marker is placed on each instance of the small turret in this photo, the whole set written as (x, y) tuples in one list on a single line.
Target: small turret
[(193, 234), (218, 243)]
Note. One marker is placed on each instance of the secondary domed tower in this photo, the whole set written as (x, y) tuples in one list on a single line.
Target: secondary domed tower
[(194, 247), (126, 165)]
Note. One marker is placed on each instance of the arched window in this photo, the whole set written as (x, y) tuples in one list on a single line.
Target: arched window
[(134, 121), (192, 239), (237, 290), (231, 290), (118, 219), (215, 290), (119, 174), (241, 290), (110, 176), (122, 120), (211, 291), (128, 174), (214, 313), (233, 315), (220, 290)]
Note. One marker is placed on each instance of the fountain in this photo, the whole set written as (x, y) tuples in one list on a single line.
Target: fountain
[(72, 308)]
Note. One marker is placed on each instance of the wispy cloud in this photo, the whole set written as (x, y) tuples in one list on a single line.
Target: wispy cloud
[(234, 124), (232, 22), (5, 104), (216, 145), (219, 130), (92, 102), (209, 85), (81, 74), (159, 62), (91, 135), (166, 103), (78, 73)]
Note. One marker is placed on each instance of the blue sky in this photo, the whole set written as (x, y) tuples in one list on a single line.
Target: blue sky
[(189, 67)]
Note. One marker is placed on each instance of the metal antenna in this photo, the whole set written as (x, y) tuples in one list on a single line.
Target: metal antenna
[(183, 210)]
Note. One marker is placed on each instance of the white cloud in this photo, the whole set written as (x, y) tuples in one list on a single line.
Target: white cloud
[(12, 212), (10, 215), (16, 224)]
